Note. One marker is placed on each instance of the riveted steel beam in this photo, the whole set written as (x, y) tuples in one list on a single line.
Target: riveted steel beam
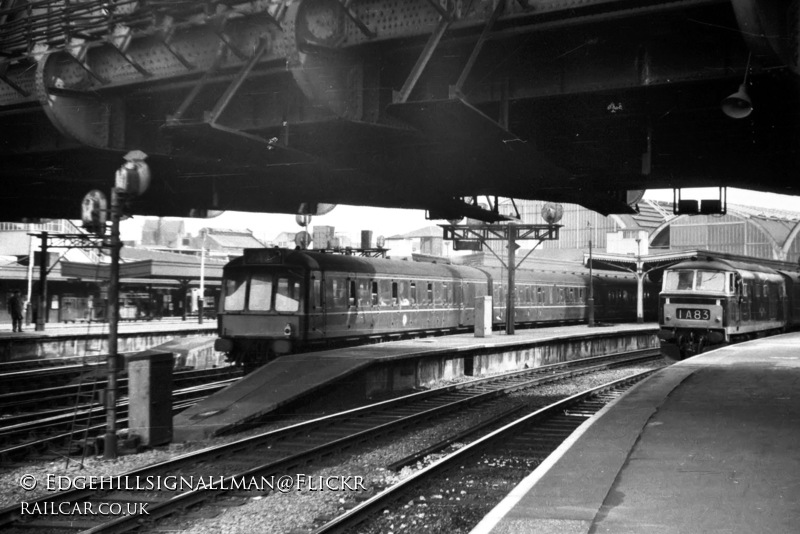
[(424, 58), (198, 87), (226, 97), (496, 12)]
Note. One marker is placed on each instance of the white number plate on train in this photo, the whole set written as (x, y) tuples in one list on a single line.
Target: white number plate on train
[(695, 314)]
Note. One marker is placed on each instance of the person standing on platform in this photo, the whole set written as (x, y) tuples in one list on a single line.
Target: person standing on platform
[(16, 307)]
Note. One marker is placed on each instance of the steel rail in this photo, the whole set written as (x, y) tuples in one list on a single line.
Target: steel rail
[(182, 399), (379, 501)]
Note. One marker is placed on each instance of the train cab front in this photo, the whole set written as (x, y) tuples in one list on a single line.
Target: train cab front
[(692, 308), (261, 313)]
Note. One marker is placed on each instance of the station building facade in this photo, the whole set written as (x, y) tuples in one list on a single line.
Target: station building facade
[(159, 277)]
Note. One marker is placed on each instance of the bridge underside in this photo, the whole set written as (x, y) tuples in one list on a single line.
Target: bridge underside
[(264, 106)]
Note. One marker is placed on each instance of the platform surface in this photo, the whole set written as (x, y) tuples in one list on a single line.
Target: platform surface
[(290, 377), (65, 330), (708, 445)]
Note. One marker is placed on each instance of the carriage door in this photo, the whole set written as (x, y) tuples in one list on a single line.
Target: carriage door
[(318, 306), (458, 302)]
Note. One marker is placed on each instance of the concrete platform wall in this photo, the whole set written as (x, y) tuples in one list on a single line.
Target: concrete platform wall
[(390, 376), (80, 345), (561, 350)]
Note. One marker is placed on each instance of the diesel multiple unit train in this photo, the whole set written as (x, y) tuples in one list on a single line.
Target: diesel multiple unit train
[(278, 301), (711, 301)]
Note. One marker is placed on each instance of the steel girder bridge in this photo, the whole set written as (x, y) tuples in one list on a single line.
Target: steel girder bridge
[(292, 106)]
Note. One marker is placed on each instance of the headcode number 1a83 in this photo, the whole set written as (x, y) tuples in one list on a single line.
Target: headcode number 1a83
[(694, 314)]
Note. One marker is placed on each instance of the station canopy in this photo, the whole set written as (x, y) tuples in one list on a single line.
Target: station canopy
[(655, 264), (158, 266)]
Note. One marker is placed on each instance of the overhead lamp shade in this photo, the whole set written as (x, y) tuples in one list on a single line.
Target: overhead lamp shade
[(737, 105)]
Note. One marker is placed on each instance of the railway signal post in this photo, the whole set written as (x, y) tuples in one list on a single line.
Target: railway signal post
[(474, 237), (132, 179)]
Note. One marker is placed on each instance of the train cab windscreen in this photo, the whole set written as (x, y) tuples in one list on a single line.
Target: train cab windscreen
[(235, 292), (694, 280), (262, 292)]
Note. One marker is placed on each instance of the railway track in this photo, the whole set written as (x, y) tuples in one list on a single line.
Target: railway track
[(25, 433), (14, 380), (455, 492), (270, 455), (35, 403)]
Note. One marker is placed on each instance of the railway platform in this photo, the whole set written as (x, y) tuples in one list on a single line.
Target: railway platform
[(369, 371), (78, 339), (706, 445)]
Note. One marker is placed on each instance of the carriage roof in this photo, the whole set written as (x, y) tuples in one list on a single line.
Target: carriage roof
[(311, 260), (352, 264)]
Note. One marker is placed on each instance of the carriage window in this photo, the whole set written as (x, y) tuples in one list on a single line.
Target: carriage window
[(335, 294), (287, 295), (413, 293), (375, 300), (385, 293), (317, 299), (234, 293), (430, 294), (363, 294), (498, 293), (260, 292), (395, 294), (351, 293), (560, 294), (540, 295)]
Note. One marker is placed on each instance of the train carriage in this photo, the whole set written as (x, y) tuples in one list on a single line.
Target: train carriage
[(278, 301)]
